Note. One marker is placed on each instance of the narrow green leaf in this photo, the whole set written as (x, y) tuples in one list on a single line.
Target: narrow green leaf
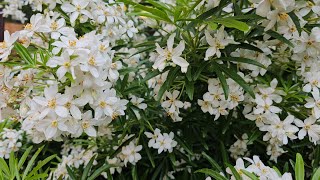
[(249, 174), (100, 170), (40, 165), (299, 167), (4, 166), (24, 53), (134, 173), (223, 81), (316, 175), (159, 5), (71, 173), (279, 37), (30, 163), (241, 60), (166, 85), (189, 89), (185, 147), (202, 66), (156, 12), (211, 173), (87, 168), (24, 157), (231, 23), (234, 172), (146, 148), (154, 74), (212, 162), (237, 78), (277, 170), (38, 176), (12, 161)]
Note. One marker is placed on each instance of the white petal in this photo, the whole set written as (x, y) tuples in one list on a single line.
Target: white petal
[(62, 111)]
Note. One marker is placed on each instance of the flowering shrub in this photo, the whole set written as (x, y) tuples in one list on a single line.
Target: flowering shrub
[(161, 89)]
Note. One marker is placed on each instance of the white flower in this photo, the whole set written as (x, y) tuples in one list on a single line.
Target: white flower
[(52, 102), (35, 22), (265, 106), (71, 104), (171, 54), (153, 137), (76, 9), (165, 142), (7, 45), (309, 127), (105, 103), (131, 30), (65, 63), (309, 43), (56, 27), (87, 124), (206, 103), (92, 63), (173, 104), (264, 6), (52, 126), (71, 44), (216, 43), (314, 103), (131, 153), (138, 102)]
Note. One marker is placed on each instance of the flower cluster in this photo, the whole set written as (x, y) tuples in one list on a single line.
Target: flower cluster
[(74, 157), (163, 142), (214, 100), (258, 168), (10, 141)]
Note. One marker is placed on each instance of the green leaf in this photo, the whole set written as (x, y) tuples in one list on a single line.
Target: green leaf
[(277, 170), (24, 157), (154, 74), (223, 81), (185, 147), (146, 148), (24, 53), (237, 78), (279, 37), (40, 165), (316, 175), (12, 161), (211, 173), (190, 89), (241, 60), (166, 85), (232, 23), (39, 176), (4, 167), (159, 14), (212, 162), (159, 5), (234, 172), (295, 20), (87, 168), (299, 167), (100, 170), (30, 163), (202, 66), (134, 173), (249, 174), (71, 173), (212, 25), (189, 74)]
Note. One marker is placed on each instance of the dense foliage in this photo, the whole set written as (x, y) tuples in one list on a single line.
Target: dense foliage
[(168, 89)]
